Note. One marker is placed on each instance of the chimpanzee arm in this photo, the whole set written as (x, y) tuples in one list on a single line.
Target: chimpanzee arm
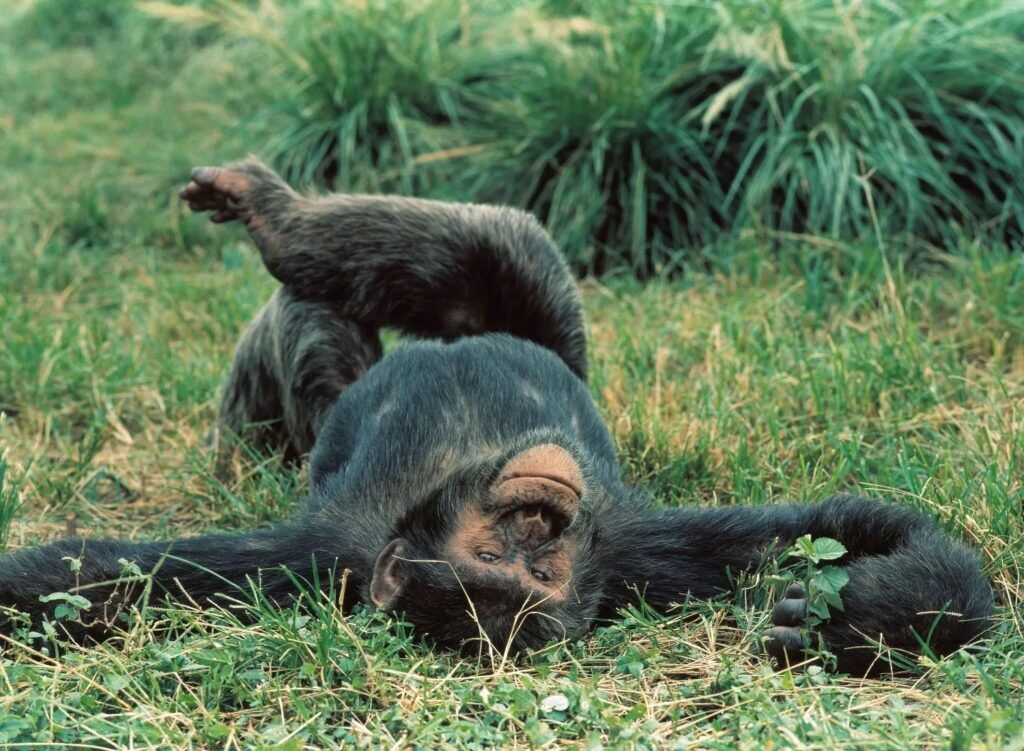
[(427, 267), (192, 570), (908, 581)]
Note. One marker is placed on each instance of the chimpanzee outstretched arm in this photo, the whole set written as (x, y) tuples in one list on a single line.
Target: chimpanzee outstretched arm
[(429, 268), (192, 570), (909, 583)]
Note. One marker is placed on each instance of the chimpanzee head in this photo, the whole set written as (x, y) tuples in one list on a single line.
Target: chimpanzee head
[(499, 556)]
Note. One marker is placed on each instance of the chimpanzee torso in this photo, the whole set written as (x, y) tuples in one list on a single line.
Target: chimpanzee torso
[(429, 407)]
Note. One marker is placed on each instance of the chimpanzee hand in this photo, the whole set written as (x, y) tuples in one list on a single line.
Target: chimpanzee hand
[(242, 190), (784, 641), (220, 190)]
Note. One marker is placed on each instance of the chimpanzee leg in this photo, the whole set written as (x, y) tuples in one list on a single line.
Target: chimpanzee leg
[(291, 364), (425, 267)]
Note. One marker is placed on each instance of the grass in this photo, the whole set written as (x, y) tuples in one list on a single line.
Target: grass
[(641, 132), (368, 95), (776, 367)]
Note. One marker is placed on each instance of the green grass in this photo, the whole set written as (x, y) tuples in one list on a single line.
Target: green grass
[(773, 370), (642, 132)]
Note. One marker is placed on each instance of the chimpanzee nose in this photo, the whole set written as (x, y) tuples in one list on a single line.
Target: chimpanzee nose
[(533, 523)]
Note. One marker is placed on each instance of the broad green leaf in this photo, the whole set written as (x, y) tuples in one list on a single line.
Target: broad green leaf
[(827, 549), (818, 608), (804, 547), (64, 612), (830, 579), (75, 601)]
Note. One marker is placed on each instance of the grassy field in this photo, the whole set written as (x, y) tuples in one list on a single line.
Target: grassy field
[(778, 366)]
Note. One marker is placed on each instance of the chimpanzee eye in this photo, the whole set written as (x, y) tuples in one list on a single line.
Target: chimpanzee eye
[(540, 576), (487, 557)]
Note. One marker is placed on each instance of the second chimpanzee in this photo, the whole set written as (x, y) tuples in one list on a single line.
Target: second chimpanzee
[(468, 482)]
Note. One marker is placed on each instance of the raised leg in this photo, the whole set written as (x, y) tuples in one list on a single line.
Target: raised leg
[(291, 364), (428, 268)]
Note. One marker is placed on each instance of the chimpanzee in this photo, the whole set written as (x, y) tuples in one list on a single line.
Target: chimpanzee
[(466, 480)]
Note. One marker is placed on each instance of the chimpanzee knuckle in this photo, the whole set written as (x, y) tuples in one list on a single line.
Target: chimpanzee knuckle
[(789, 612), (784, 643), (204, 176)]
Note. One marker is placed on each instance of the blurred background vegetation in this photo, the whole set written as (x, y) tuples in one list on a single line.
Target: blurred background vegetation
[(642, 134)]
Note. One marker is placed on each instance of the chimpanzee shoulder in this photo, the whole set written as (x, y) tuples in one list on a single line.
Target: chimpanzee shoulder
[(477, 391)]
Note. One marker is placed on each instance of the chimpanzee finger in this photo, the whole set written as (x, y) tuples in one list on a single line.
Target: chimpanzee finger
[(789, 612), (795, 592), (195, 192), (223, 216), (204, 176), (201, 199), (228, 182), (784, 643)]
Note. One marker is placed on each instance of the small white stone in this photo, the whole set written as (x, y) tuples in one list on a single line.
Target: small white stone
[(554, 703)]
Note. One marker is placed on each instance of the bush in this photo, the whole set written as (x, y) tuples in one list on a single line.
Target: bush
[(374, 89), (668, 125), (640, 131)]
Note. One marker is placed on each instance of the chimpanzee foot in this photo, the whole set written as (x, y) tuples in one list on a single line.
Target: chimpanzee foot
[(229, 193), (784, 640)]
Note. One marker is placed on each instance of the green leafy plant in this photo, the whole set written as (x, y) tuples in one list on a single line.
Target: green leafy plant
[(70, 606), (821, 583)]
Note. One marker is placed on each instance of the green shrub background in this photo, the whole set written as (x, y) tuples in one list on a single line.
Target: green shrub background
[(637, 131)]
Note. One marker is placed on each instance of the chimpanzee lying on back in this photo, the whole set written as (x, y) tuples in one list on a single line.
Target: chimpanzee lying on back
[(471, 485)]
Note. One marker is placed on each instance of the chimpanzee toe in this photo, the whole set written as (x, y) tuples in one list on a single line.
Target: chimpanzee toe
[(784, 641)]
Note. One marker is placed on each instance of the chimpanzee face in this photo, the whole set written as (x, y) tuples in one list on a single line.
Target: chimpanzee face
[(515, 537), (506, 567)]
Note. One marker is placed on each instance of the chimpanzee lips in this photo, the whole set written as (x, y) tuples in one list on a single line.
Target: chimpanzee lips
[(551, 495), (545, 478)]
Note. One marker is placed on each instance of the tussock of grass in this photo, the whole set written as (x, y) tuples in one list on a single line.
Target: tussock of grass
[(771, 370), (662, 125), (642, 131), (369, 90)]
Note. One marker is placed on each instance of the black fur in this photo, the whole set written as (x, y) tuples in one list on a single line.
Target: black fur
[(404, 443)]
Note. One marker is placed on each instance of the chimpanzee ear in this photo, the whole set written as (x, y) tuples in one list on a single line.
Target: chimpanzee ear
[(387, 582)]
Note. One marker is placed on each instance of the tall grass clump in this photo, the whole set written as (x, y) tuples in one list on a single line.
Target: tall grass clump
[(372, 90), (905, 118), (651, 127), (600, 139)]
